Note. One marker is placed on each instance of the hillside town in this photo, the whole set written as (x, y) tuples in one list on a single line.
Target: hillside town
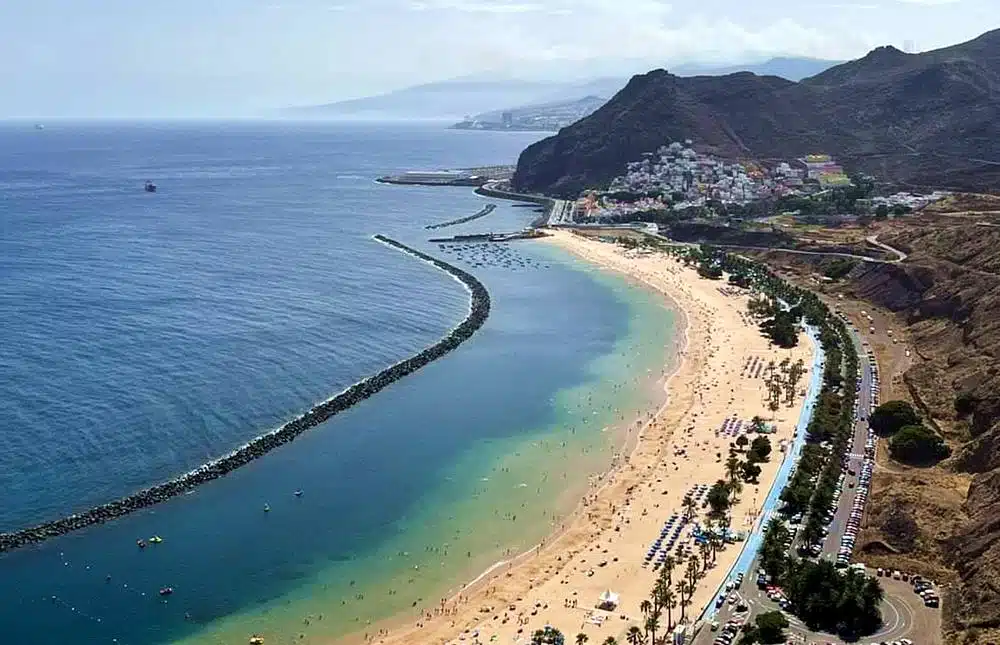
[(676, 177)]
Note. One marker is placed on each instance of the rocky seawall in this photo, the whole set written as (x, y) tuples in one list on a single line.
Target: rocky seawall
[(479, 310), (483, 212)]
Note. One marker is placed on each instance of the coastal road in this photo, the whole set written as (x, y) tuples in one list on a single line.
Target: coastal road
[(873, 240), (855, 456), (901, 605)]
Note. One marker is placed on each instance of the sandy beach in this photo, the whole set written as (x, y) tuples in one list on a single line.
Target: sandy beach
[(602, 546)]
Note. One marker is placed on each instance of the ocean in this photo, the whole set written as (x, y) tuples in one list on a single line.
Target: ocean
[(144, 334)]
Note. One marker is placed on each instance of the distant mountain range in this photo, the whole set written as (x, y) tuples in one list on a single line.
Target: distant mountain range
[(931, 119), (483, 94), (453, 99), (553, 116)]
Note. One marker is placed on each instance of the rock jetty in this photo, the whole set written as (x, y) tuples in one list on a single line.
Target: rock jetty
[(486, 210), (479, 310)]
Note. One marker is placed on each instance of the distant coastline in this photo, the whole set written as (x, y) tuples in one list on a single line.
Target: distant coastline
[(479, 310)]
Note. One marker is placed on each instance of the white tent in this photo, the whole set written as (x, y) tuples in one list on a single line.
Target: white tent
[(609, 598)]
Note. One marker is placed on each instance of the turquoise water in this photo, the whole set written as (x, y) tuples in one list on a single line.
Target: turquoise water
[(247, 289)]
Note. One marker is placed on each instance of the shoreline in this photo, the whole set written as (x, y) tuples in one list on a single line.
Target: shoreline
[(479, 310), (586, 528), (619, 460)]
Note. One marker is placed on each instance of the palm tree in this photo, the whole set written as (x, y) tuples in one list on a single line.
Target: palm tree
[(667, 571), (581, 638), (693, 573), (610, 640), (732, 470), (669, 601), (706, 551), (685, 597), (634, 636), (657, 593), (690, 507), (652, 623), (645, 607)]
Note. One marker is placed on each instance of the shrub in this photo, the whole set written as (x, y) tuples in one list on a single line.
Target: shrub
[(965, 404)]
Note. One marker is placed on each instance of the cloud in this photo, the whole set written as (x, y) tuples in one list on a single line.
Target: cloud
[(478, 6)]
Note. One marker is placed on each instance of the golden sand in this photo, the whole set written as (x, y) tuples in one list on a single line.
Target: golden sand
[(602, 546)]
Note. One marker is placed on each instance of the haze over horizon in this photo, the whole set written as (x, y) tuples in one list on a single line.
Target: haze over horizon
[(194, 58)]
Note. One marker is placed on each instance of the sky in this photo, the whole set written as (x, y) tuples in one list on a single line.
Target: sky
[(148, 58)]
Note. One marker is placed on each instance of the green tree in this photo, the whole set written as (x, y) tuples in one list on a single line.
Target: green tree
[(890, 417), (751, 471), (581, 638), (652, 624), (760, 449), (771, 627), (690, 507), (881, 212), (667, 570), (919, 445), (718, 497), (548, 636), (741, 442), (733, 471)]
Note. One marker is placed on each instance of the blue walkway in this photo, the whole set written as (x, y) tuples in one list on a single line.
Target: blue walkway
[(771, 502)]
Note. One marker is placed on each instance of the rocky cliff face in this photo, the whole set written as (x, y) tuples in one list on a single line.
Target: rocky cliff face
[(943, 521), (948, 293), (927, 118)]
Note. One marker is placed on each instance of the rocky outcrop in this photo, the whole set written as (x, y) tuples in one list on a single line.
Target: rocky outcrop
[(479, 310), (929, 118)]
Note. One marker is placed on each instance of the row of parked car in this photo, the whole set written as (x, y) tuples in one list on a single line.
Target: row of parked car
[(864, 477), (728, 632), (921, 586)]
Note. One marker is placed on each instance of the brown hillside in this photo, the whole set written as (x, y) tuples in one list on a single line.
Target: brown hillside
[(930, 119), (943, 301)]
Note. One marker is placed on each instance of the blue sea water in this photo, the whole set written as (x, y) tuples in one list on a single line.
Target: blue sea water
[(143, 334)]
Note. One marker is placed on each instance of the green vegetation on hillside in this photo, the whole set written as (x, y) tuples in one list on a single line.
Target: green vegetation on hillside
[(918, 445), (890, 417)]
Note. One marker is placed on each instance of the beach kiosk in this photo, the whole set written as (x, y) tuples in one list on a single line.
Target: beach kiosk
[(608, 601)]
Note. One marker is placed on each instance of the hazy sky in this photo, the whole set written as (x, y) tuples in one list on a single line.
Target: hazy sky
[(214, 57)]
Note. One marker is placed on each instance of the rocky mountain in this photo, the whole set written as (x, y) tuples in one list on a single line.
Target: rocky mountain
[(559, 114), (452, 99), (928, 119)]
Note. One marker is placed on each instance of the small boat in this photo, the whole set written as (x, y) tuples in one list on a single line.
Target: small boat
[(298, 493), (267, 508), (256, 639), (150, 187), (156, 539), (39, 126), (166, 591), (141, 544)]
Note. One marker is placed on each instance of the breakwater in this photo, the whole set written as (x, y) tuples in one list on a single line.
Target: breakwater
[(479, 310), (483, 212)]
